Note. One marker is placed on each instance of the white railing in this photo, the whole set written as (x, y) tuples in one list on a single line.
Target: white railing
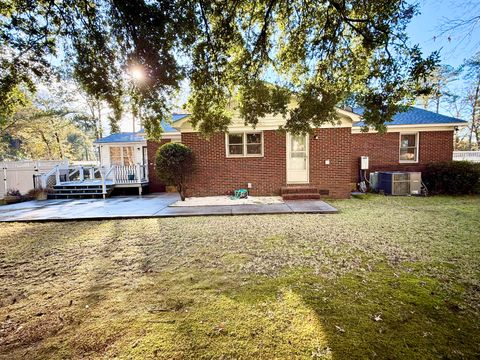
[(105, 176), (131, 174), (115, 174), (472, 156)]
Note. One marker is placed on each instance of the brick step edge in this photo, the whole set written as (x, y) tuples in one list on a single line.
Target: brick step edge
[(302, 196), (299, 190)]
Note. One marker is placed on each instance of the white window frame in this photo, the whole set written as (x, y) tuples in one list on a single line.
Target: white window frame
[(417, 147), (122, 156), (244, 143)]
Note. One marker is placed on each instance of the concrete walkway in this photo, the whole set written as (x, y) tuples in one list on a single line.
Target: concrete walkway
[(154, 205)]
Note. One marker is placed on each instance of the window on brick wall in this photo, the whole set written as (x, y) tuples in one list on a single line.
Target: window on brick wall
[(409, 147), (244, 144)]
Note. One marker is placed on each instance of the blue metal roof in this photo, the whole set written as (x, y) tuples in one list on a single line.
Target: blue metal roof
[(415, 116), (121, 137), (138, 136)]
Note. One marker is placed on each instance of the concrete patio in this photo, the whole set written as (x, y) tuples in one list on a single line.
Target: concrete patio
[(154, 205)]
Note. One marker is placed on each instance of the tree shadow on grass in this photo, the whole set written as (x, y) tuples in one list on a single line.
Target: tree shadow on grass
[(208, 314), (57, 273), (131, 299), (381, 314)]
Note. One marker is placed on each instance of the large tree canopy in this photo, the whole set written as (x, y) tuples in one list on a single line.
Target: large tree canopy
[(256, 56)]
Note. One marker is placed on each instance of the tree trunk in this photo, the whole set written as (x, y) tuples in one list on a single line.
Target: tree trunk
[(59, 143), (181, 190), (99, 120), (474, 127), (47, 144)]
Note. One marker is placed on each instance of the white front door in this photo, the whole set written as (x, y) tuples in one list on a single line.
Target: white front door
[(297, 158)]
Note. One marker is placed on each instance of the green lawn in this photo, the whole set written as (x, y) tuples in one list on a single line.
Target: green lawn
[(387, 277)]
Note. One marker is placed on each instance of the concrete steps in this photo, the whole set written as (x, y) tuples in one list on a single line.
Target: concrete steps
[(299, 192)]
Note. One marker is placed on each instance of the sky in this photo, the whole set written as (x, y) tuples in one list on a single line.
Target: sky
[(425, 29)]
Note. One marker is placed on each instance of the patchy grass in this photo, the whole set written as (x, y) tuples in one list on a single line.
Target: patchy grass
[(388, 277)]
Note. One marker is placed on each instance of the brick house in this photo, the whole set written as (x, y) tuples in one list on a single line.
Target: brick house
[(327, 161), (266, 160)]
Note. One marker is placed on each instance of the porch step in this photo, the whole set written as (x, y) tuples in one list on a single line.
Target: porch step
[(301, 196), (306, 189), (299, 192), (78, 191)]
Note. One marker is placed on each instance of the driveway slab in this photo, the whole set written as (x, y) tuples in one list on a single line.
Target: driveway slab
[(153, 205)]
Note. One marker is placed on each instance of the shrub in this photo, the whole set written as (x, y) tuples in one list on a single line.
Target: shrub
[(454, 177), (38, 193), (14, 192), (175, 162)]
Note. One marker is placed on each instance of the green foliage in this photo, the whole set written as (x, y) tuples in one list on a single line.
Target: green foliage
[(454, 177), (48, 127), (10, 102), (317, 53), (175, 163)]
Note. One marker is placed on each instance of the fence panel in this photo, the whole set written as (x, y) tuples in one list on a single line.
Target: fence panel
[(19, 174), (472, 156)]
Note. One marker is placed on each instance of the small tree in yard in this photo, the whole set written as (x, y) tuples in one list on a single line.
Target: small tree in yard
[(175, 162)]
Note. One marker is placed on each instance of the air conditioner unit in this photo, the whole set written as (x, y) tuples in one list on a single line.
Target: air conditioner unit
[(400, 183), (415, 183), (394, 183), (373, 181)]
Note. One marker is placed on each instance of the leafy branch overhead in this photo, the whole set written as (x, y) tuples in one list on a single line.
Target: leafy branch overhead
[(297, 58)]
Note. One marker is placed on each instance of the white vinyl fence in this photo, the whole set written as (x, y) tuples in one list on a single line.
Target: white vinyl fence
[(19, 174), (472, 156)]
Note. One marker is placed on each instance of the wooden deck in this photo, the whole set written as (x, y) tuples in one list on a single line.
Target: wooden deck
[(92, 181)]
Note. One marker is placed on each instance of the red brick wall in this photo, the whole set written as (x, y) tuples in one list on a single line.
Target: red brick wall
[(334, 145), (216, 174), (383, 151), (154, 184)]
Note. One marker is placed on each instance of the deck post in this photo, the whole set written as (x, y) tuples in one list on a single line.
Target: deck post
[(80, 171), (138, 175), (43, 179), (140, 190), (57, 175), (5, 178), (104, 187), (91, 173)]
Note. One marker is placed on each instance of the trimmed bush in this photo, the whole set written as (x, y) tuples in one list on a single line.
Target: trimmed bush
[(175, 163), (454, 177), (38, 194)]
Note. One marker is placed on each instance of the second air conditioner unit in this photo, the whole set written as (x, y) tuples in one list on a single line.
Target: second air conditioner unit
[(400, 183)]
